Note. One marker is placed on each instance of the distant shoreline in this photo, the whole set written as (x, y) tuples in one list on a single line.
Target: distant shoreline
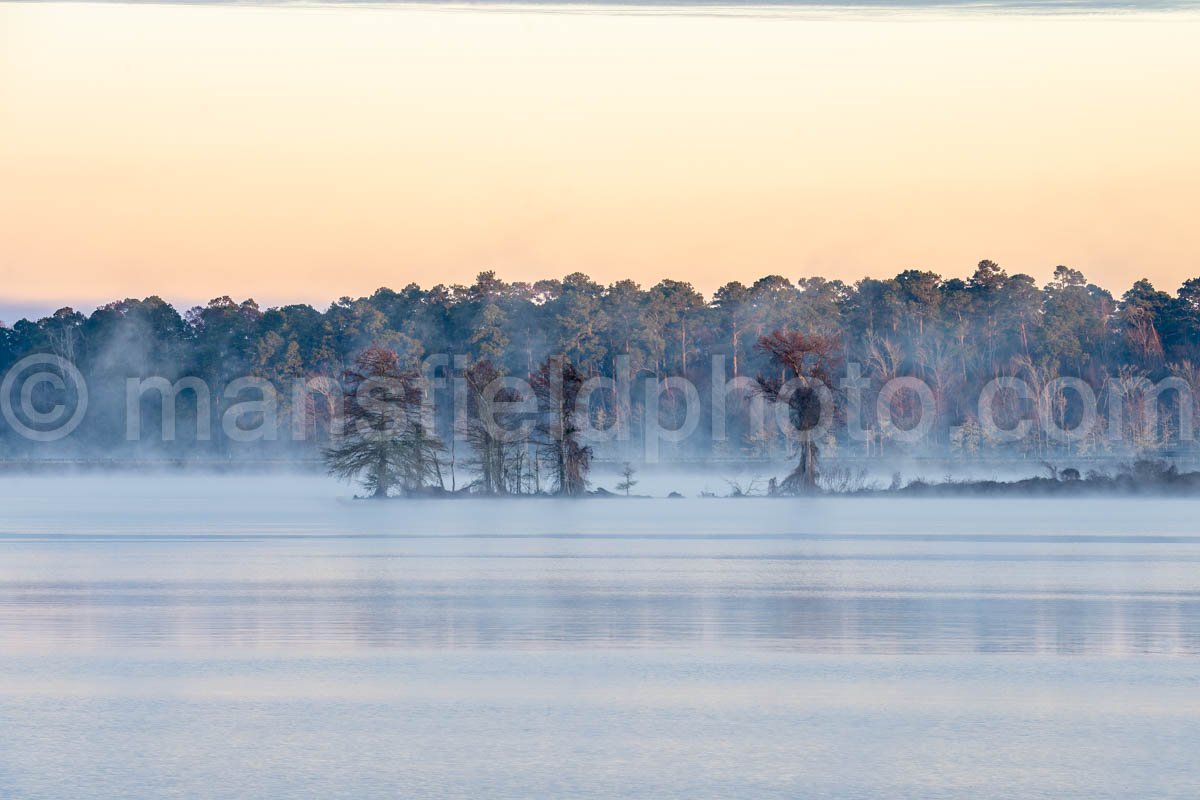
[(1151, 478)]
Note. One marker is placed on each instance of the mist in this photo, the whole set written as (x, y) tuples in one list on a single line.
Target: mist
[(919, 378)]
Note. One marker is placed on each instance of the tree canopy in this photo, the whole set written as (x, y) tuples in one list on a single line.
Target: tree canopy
[(953, 333)]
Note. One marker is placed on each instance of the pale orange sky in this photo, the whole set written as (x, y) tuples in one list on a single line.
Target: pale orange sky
[(302, 154)]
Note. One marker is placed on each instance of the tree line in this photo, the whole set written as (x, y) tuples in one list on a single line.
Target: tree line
[(954, 334)]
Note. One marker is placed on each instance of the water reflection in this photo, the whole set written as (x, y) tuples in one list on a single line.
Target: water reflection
[(134, 563), (265, 640), (652, 603)]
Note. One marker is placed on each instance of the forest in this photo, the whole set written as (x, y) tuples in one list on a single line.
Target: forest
[(953, 334)]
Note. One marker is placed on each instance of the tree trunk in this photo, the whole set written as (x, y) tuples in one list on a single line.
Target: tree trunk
[(382, 484)]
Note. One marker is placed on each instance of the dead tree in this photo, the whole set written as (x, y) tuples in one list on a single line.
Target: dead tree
[(497, 439)]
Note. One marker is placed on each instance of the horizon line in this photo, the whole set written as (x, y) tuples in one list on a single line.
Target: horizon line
[(183, 305)]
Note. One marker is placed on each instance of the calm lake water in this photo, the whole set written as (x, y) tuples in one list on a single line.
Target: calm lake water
[(269, 638)]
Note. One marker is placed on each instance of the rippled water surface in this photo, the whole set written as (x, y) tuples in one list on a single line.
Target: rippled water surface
[(267, 637)]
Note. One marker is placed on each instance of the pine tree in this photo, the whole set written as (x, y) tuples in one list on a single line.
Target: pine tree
[(628, 483)]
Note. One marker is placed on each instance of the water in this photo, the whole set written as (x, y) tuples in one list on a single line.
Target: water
[(269, 637)]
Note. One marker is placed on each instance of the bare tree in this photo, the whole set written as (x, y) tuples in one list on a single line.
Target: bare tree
[(495, 438), (1143, 336)]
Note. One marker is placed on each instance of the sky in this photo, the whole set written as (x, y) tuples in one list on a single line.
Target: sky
[(299, 154)]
